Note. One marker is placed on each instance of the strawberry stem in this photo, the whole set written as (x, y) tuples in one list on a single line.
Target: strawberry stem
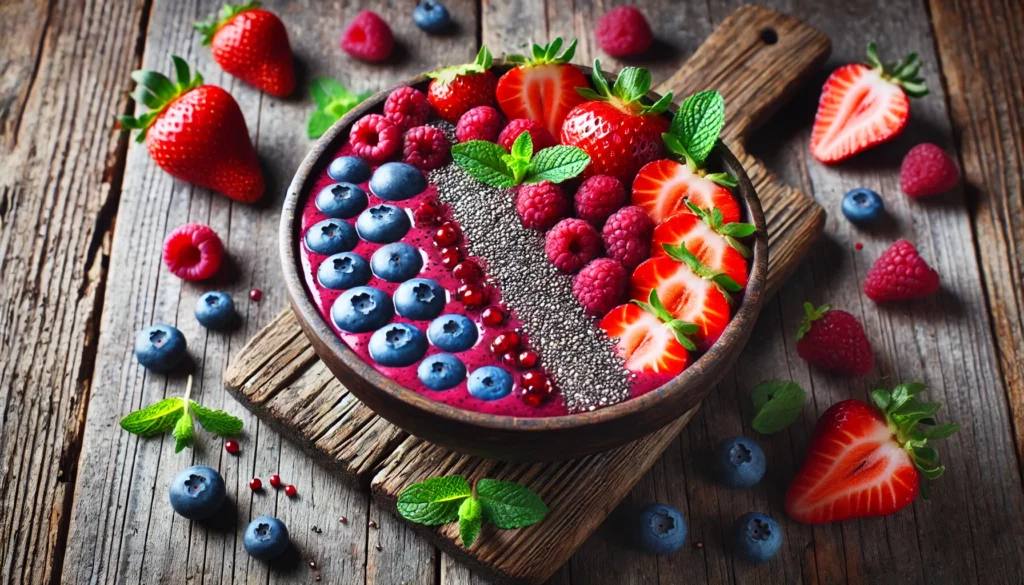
[(810, 316), (155, 91), (545, 55), (632, 84), (903, 73), (209, 27), (681, 329)]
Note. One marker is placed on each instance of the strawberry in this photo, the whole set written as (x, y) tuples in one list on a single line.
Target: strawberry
[(542, 88), (663, 187), (196, 133), (648, 337), (865, 461), (694, 231), (834, 340), (864, 105), (252, 45), (618, 132), (455, 90)]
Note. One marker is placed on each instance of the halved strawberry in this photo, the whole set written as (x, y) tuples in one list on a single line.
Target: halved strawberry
[(649, 338), (687, 296), (542, 88), (663, 187), (865, 461), (864, 105), (711, 248)]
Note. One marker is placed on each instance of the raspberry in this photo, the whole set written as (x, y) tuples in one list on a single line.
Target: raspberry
[(834, 340), (374, 138), (368, 37), (407, 107), (900, 274), (538, 133), (600, 286), (927, 170), (426, 148), (541, 205), (193, 252), (598, 197), (480, 123), (623, 32), (627, 236), (571, 244)]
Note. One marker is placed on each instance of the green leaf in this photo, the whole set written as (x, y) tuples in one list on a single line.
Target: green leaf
[(737, 229), (589, 94), (556, 164), (810, 315), (724, 179), (881, 399), (154, 419), (777, 405), (183, 76), (217, 422), (184, 432), (941, 431), (319, 123), (672, 143), (143, 96), (698, 122), (522, 148), (470, 520), (435, 501), (659, 106), (325, 90), (509, 505), (738, 246), (632, 84), (600, 82), (931, 474), (483, 160), (156, 83)]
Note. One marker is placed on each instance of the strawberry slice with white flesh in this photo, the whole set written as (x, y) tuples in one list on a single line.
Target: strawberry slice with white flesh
[(713, 243), (862, 106), (662, 188), (868, 460), (542, 88), (649, 338)]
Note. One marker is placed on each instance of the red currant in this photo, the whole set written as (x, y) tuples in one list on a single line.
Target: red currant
[(255, 295), (467, 271), (493, 315), (231, 447), (509, 359), (505, 342), (446, 235), (275, 480), (527, 359), (290, 491), (428, 213), (534, 381), (472, 295), (450, 258), (255, 484)]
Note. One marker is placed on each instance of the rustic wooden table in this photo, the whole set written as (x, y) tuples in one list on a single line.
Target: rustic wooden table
[(83, 212)]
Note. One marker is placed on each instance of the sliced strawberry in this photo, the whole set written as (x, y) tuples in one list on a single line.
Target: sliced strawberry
[(649, 338), (663, 187), (542, 88), (864, 105), (865, 461), (711, 248), (687, 296)]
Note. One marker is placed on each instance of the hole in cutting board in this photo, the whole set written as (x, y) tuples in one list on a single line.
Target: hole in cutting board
[(769, 36)]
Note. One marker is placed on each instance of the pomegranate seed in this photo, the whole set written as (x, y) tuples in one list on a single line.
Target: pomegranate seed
[(255, 484), (527, 359), (859, 246), (493, 315), (468, 272), (446, 235), (275, 480), (534, 381), (505, 342), (231, 447), (533, 399), (471, 295), (290, 491), (428, 213), (450, 258), (255, 295), (509, 359)]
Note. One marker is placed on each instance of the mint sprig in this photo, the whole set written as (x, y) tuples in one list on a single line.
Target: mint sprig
[(491, 164), (681, 329), (333, 100), (694, 131), (730, 231), (777, 405), (172, 414), (719, 278), (471, 520)]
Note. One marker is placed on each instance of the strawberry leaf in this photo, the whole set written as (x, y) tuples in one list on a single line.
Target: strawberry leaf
[(941, 431), (632, 84), (724, 179), (737, 229), (881, 399)]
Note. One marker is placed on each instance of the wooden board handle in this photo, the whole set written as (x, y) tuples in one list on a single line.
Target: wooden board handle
[(757, 58)]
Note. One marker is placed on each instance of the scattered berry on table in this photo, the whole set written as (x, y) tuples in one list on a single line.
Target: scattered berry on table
[(834, 340), (467, 272), (215, 310), (900, 274), (627, 236), (375, 138), (538, 133), (455, 90), (505, 342), (527, 359), (255, 295), (331, 236), (663, 188), (419, 299), (397, 345), (193, 252), (473, 296), (480, 123), (275, 481), (489, 383), (197, 492), (756, 538), (432, 17), (265, 538), (426, 148), (349, 169), (863, 207), (447, 234), (341, 200), (362, 309), (600, 286), (541, 205), (383, 224), (343, 271), (599, 197), (927, 170), (452, 333), (255, 484), (542, 87), (407, 107), (396, 262), (231, 446), (571, 244), (160, 347), (738, 462), (623, 32), (658, 529), (395, 181), (441, 371), (428, 213), (858, 246), (368, 37), (290, 491), (251, 44), (493, 316)]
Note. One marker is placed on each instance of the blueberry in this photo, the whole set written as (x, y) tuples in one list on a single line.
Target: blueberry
[(432, 17), (331, 236), (863, 207), (342, 200), (452, 333), (756, 537), (345, 270), (197, 492), (490, 383), (395, 181), (420, 298), (215, 310), (160, 347), (441, 371), (738, 462), (658, 529), (382, 224), (396, 262), (362, 309), (397, 345), (265, 538), (350, 169)]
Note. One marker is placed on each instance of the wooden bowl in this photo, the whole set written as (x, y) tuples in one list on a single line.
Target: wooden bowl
[(506, 437)]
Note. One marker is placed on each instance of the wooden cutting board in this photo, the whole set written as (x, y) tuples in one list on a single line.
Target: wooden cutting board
[(757, 58)]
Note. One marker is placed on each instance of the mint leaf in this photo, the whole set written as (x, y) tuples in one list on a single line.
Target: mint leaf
[(217, 422), (470, 521), (325, 90), (698, 122), (484, 161), (319, 123), (154, 419), (522, 148), (184, 432), (509, 505), (434, 501), (557, 164), (333, 100), (777, 405)]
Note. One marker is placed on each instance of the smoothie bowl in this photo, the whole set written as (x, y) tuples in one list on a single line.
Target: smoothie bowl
[(525, 290)]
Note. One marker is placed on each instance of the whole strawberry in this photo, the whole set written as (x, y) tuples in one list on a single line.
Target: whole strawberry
[(252, 45), (455, 90), (196, 133), (834, 340), (620, 133), (900, 274)]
